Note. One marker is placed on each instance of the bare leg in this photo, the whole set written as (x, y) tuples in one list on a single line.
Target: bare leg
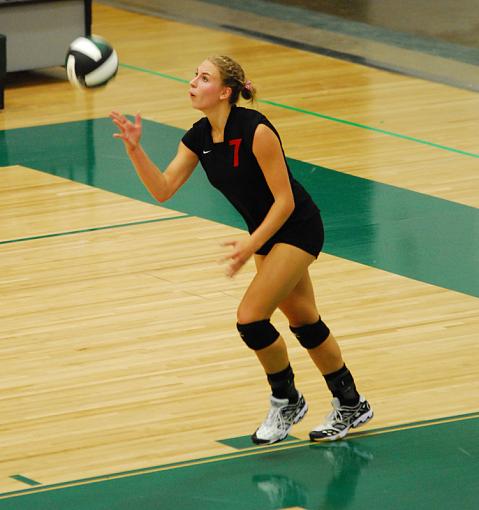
[(300, 308), (277, 275), (327, 356), (275, 357)]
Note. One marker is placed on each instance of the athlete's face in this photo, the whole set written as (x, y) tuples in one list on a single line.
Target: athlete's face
[(206, 88)]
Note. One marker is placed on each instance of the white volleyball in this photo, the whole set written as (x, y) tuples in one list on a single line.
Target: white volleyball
[(91, 62)]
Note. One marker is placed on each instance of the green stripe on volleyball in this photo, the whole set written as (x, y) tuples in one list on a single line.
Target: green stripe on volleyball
[(91, 62)]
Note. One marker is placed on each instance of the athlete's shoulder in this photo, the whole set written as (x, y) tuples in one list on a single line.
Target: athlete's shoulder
[(247, 120)]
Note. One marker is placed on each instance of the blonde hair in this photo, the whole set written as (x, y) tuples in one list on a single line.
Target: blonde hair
[(233, 76)]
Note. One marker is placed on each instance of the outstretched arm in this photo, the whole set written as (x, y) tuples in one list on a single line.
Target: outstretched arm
[(161, 185)]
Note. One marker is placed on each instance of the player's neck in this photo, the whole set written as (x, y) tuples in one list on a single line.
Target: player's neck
[(217, 119)]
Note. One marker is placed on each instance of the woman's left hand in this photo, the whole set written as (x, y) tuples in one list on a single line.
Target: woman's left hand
[(242, 250)]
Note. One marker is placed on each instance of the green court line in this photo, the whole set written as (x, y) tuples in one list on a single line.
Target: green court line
[(24, 479), (370, 128), (155, 73), (323, 116), (93, 229), (254, 450)]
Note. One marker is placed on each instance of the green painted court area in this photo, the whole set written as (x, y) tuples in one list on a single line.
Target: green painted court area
[(397, 230), (427, 467)]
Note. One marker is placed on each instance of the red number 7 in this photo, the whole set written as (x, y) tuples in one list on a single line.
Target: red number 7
[(236, 142)]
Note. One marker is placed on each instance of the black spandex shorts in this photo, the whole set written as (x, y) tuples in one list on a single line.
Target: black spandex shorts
[(306, 234)]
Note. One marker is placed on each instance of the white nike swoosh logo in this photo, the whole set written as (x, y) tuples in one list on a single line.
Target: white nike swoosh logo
[(206, 152)]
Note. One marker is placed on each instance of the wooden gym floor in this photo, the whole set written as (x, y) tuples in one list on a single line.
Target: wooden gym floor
[(124, 383)]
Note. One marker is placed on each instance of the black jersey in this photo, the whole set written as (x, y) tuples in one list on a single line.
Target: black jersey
[(232, 168)]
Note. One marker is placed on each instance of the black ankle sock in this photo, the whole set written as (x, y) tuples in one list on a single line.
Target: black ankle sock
[(341, 384), (282, 384)]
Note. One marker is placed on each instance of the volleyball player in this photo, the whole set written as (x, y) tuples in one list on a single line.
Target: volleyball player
[(242, 155)]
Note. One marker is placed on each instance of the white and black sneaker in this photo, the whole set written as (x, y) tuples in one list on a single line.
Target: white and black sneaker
[(341, 419), (281, 417)]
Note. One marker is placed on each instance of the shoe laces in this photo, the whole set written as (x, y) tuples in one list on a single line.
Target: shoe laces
[(274, 415), (339, 413), (278, 414), (333, 417)]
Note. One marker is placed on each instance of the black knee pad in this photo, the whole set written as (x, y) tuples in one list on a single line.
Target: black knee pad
[(311, 335), (258, 335)]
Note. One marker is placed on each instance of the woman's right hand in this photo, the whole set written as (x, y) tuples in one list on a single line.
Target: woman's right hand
[(130, 132)]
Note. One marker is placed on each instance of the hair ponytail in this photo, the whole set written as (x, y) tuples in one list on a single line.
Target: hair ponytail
[(248, 91)]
